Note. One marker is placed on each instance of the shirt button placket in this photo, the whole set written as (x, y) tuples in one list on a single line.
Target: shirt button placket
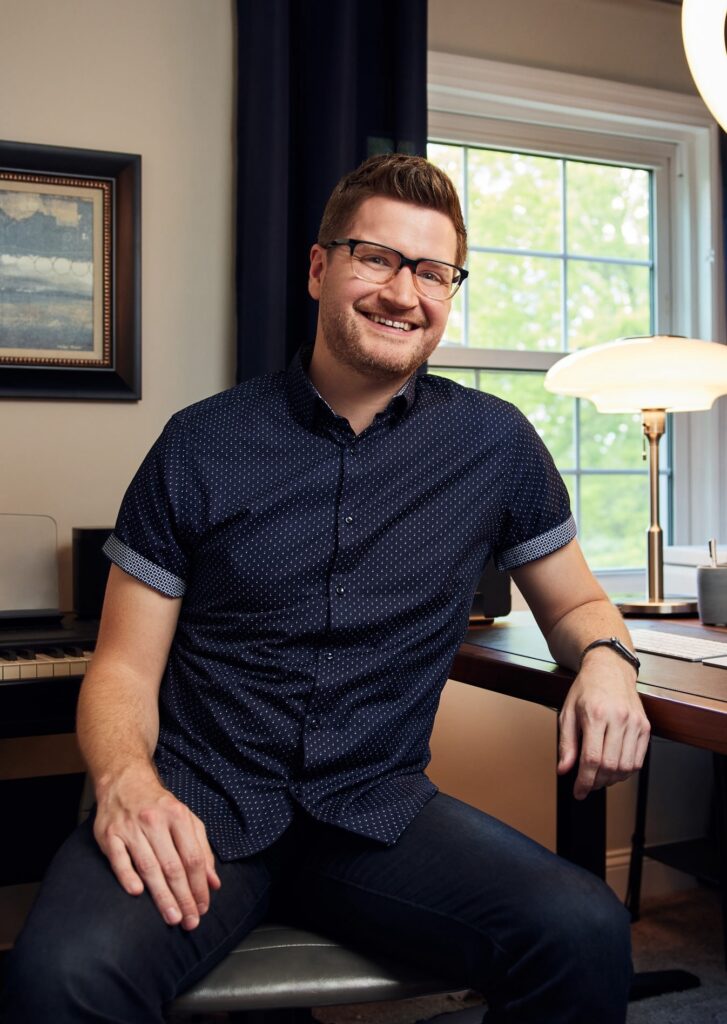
[(344, 518)]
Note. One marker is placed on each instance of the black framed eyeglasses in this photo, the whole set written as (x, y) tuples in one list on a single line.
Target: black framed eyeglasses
[(379, 264)]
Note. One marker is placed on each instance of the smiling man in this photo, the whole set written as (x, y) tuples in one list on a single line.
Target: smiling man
[(294, 565)]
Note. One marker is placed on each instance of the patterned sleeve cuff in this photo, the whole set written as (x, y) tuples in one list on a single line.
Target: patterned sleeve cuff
[(537, 547), (142, 569)]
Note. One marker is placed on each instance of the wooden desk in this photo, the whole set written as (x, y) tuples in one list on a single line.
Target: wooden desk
[(684, 701)]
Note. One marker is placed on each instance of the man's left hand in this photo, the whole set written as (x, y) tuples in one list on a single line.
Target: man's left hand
[(603, 712)]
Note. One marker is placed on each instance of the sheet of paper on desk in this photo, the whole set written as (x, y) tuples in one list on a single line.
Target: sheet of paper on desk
[(716, 662), (28, 564)]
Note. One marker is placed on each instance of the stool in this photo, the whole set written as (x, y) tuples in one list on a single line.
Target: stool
[(279, 971)]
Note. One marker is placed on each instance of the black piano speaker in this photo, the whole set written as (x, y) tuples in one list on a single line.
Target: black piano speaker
[(90, 570)]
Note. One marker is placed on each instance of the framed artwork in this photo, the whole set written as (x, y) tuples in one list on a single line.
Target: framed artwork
[(70, 273)]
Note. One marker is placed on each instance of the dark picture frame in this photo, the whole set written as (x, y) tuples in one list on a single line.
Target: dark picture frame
[(70, 273)]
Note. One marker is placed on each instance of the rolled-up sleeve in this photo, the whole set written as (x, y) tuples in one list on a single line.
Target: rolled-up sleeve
[(537, 518), (150, 540)]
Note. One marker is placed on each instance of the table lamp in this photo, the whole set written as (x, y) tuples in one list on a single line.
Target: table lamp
[(704, 33), (652, 376)]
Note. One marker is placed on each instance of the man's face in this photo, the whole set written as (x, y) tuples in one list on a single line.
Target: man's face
[(351, 311)]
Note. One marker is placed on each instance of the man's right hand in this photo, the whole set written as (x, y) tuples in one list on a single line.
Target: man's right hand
[(153, 840)]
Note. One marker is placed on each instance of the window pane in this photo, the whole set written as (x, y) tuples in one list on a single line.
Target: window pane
[(515, 302), (613, 534), (607, 211), (592, 284), (451, 161), (551, 415), (467, 378), (454, 331), (607, 301), (610, 441), (514, 200)]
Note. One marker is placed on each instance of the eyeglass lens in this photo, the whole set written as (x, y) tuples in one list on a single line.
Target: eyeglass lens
[(378, 264)]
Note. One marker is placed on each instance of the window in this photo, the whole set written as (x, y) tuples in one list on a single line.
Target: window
[(560, 257), (578, 234)]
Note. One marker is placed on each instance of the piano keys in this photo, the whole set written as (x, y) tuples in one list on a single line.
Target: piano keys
[(28, 665), (27, 654)]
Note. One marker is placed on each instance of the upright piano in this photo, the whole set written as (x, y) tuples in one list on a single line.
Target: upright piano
[(41, 668), (41, 775)]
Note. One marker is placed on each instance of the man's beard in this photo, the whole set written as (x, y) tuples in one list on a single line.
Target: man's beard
[(344, 337)]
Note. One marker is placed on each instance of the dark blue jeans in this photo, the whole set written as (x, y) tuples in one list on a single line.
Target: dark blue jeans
[(460, 892)]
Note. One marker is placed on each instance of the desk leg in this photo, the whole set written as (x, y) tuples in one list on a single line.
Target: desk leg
[(720, 786), (581, 838), (581, 826)]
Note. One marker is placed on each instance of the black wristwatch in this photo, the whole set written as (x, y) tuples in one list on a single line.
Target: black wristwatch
[(619, 648)]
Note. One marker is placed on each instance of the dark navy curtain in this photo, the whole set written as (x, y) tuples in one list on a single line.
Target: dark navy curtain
[(322, 84)]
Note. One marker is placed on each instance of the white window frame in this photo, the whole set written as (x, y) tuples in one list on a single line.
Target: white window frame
[(481, 102)]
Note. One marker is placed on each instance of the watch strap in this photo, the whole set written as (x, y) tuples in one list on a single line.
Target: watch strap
[(617, 646)]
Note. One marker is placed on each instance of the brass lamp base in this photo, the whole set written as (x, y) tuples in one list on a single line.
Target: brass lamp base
[(674, 606)]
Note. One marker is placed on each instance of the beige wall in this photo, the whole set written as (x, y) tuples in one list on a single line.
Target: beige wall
[(154, 78), (634, 41)]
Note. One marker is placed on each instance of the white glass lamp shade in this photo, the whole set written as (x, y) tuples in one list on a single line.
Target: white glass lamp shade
[(633, 374), (703, 32)]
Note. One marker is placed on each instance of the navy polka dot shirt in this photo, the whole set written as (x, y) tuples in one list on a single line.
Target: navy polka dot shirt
[(326, 582)]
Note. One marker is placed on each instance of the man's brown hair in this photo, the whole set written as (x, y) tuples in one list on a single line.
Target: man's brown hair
[(411, 179)]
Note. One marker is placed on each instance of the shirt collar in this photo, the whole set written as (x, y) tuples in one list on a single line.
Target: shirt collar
[(306, 402)]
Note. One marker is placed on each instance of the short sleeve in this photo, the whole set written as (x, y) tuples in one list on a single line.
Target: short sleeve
[(537, 517), (148, 539)]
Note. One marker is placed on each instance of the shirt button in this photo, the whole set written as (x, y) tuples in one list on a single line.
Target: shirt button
[(313, 723), (348, 519), (339, 589), (329, 655)]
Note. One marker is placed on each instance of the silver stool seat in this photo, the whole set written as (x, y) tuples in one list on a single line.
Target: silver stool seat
[(279, 966)]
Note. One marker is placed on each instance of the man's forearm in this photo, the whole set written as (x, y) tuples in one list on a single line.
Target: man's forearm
[(595, 620), (118, 717), (117, 722), (602, 723), (151, 839)]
